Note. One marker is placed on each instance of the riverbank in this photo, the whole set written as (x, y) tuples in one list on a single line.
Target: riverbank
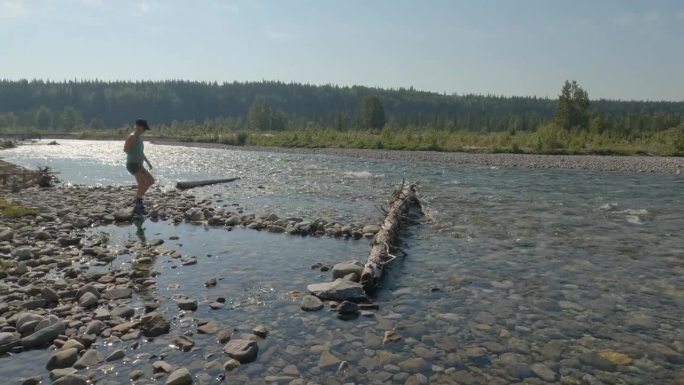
[(628, 164), (613, 163), (491, 152)]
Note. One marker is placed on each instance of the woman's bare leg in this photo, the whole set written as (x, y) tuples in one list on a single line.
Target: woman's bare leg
[(148, 180), (140, 180)]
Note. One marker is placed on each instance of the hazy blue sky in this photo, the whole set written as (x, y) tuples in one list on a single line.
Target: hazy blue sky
[(614, 48)]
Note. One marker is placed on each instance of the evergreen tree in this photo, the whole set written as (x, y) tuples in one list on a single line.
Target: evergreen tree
[(70, 119), (371, 113), (572, 107), (263, 117), (43, 118)]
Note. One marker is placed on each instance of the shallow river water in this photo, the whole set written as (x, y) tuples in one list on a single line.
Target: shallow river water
[(516, 276)]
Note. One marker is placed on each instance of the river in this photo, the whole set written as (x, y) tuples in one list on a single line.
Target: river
[(517, 275)]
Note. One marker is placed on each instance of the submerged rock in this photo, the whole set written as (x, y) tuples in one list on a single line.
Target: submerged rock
[(311, 303), (180, 377), (183, 343), (242, 350)]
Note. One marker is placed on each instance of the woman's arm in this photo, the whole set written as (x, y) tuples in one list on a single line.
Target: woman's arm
[(130, 142), (148, 162)]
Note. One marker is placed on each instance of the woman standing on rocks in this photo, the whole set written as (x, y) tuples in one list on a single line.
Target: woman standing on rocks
[(134, 149)]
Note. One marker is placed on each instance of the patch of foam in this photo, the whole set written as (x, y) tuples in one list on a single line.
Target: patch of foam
[(609, 206), (634, 219), (358, 174), (637, 212)]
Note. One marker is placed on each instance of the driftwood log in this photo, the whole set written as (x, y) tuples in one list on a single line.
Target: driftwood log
[(187, 185), (400, 203)]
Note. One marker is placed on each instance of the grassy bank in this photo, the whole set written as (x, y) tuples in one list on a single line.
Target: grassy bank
[(548, 139)]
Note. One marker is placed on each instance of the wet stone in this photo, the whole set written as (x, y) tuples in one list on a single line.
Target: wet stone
[(36, 380), (89, 359), (162, 366), (154, 324), (183, 343), (414, 365), (62, 359), (180, 377), (122, 312), (118, 293), (187, 304), (71, 379), (543, 372), (115, 355), (242, 350), (595, 360), (72, 343), (231, 365), (311, 303), (339, 290), (210, 327), (327, 359), (260, 331)]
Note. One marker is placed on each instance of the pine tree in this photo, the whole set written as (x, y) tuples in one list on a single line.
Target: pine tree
[(371, 113), (572, 107)]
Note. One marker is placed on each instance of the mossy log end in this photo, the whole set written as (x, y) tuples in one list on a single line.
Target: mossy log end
[(400, 203)]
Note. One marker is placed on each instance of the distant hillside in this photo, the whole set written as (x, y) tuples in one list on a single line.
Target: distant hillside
[(96, 104)]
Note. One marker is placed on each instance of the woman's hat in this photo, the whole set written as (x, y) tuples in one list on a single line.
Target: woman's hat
[(142, 123)]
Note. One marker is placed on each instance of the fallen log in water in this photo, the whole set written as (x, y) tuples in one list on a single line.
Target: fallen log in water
[(400, 203), (187, 185)]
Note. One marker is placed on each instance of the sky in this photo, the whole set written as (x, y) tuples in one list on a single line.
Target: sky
[(617, 49)]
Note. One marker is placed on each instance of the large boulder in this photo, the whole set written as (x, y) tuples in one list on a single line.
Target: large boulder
[(44, 336), (154, 324), (244, 351), (339, 290)]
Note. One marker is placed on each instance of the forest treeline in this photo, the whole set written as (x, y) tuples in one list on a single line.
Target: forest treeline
[(277, 106)]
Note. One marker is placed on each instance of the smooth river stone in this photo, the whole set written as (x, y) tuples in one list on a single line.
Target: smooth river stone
[(339, 290), (242, 350)]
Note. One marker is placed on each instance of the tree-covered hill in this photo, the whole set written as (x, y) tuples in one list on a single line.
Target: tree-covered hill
[(97, 104)]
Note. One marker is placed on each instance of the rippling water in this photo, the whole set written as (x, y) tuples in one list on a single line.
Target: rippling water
[(533, 266)]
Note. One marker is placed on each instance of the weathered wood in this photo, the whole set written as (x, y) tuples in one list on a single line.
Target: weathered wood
[(193, 184), (400, 203)]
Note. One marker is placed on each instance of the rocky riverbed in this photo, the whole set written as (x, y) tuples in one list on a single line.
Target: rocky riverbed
[(52, 294), (522, 276)]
